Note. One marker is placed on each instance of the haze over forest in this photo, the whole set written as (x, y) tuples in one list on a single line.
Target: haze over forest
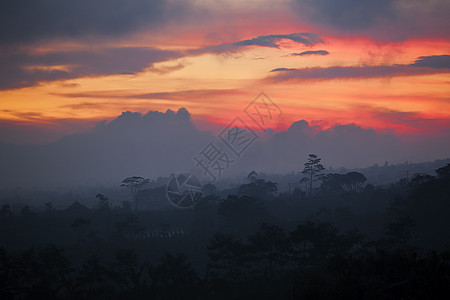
[(225, 149), (159, 144)]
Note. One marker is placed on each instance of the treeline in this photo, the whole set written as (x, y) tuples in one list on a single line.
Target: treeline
[(250, 245), (314, 261)]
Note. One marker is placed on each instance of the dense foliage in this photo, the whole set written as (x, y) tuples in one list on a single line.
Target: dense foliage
[(346, 241)]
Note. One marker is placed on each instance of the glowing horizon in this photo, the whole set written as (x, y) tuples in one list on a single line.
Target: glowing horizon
[(337, 77)]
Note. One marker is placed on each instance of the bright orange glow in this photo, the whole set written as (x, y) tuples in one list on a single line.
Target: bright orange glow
[(217, 87)]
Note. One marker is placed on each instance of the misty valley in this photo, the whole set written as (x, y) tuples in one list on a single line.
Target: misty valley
[(326, 236), (224, 150)]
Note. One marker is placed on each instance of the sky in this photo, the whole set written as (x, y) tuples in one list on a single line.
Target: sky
[(381, 65)]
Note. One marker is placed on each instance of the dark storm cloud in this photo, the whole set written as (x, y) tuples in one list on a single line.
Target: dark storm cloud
[(283, 69), (348, 13), (434, 61), (31, 20), (383, 19), (305, 38), (22, 70), (25, 69), (271, 41), (349, 72), (311, 52), (423, 66)]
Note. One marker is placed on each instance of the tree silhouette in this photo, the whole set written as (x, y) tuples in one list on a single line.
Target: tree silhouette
[(104, 208), (174, 278), (444, 172), (26, 211), (338, 183), (134, 184), (124, 270), (228, 257), (269, 248), (92, 277), (209, 189), (49, 206), (312, 169), (399, 232), (314, 242), (297, 193), (252, 176), (130, 227), (53, 274), (258, 188), (6, 210), (428, 205), (354, 181), (332, 183), (240, 215), (79, 224), (103, 202)]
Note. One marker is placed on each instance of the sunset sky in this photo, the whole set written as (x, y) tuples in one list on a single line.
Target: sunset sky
[(66, 65)]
